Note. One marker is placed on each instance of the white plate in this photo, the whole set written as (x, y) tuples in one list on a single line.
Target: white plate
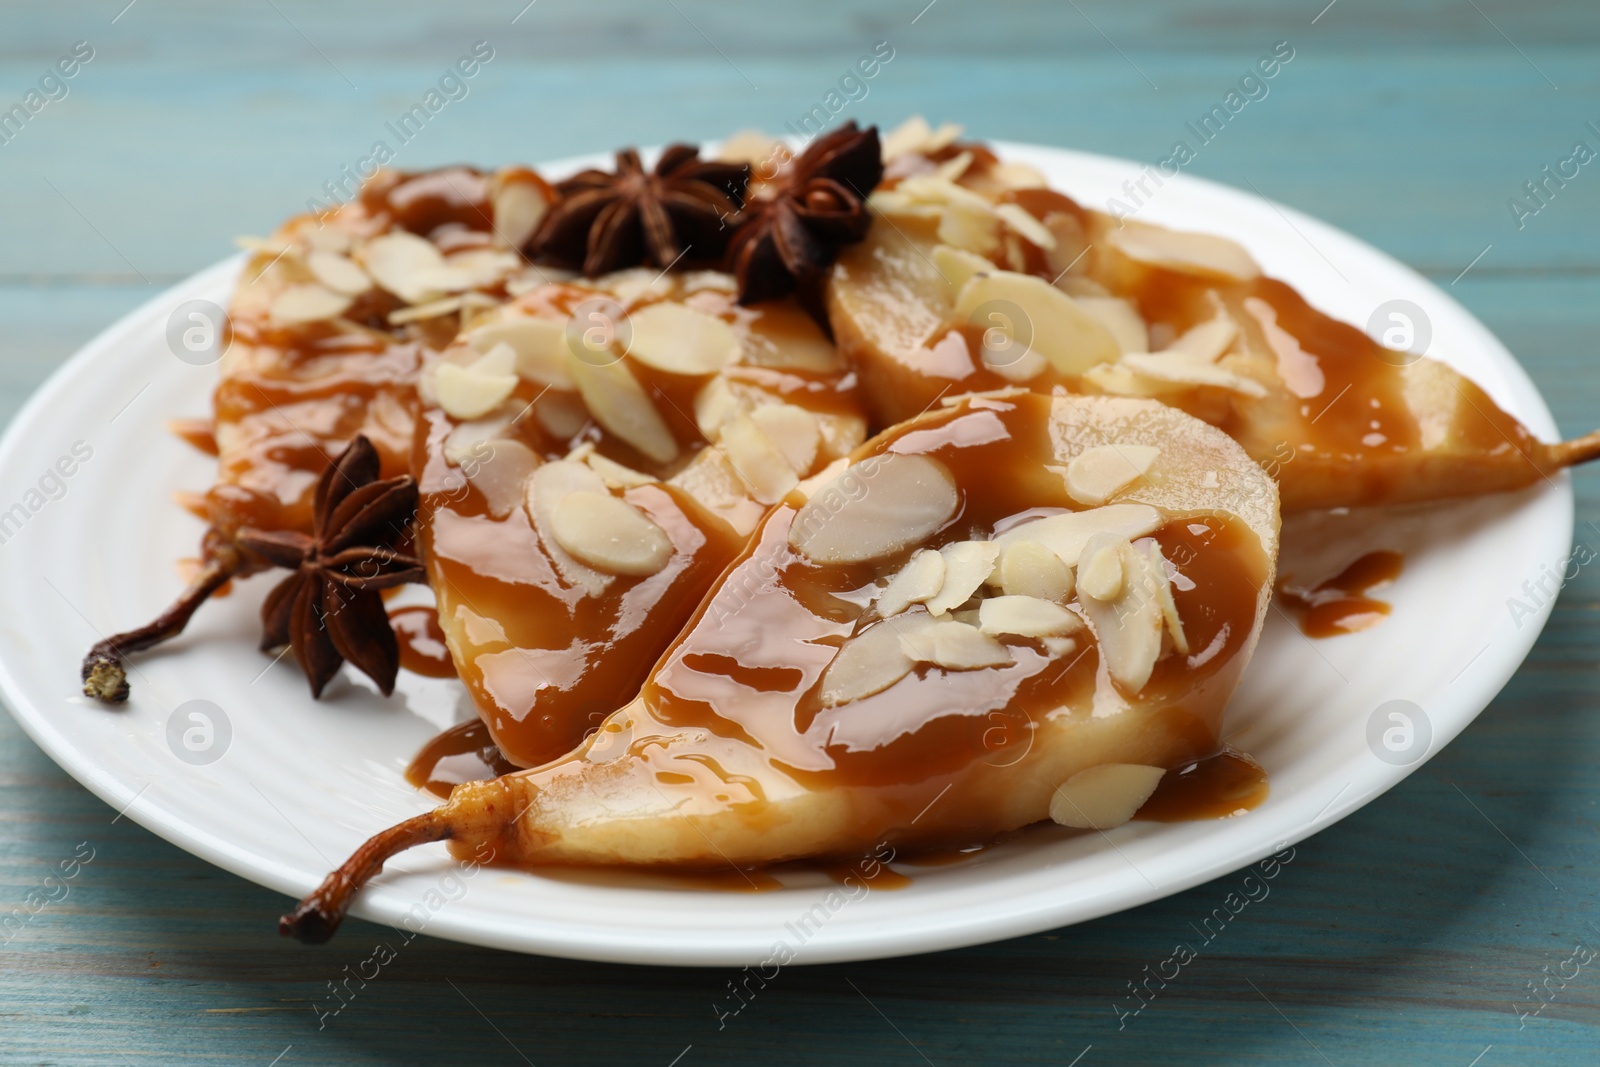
[(301, 783)]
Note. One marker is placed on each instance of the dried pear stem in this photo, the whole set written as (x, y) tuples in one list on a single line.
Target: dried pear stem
[(1571, 453), (315, 918), (105, 675)]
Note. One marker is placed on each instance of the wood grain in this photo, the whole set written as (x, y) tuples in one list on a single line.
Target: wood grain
[(1403, 935)]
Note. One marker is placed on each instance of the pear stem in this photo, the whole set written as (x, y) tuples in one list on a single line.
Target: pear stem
[(1571, 453), (105, 675), (315, 918)]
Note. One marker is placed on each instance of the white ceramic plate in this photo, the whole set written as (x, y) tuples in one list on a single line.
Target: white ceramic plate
[(299, 784)]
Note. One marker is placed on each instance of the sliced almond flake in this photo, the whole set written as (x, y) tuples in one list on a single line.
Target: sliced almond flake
[(1200, 254), (1066, 534), (759, 461), (468, 393), (676, 338), (1018, 176), (1182, 368), (471, 438), (793, 430), (635, 284), (1059, 329), (619, 403), (955, 646), (532, 277), (957, 266), (1028, 227), (984, 394), (400, 261), (307, 303), (1101, 575), (972, 228), (1059, 647), (1121, 318), (1025, 616), (1209, 340), (967, 565), (562, 414), (499, 360), (614, 474), (338, 273), (483, 268), (548, 486), (1128, 628), (1161, 582), (610, 534), (1104, 797), (519, 207), (325, 239), (868, 663), (433, 309), (1116, 379), (714, 405), (907, 137), (540, 345), (1028, 568), (952, 169), (931, 189), (580, 453), (500, 471), (1099, 473), (1069, 259), (897, 205), (941, 138), (919, 579), (699, 281), (877, 507)]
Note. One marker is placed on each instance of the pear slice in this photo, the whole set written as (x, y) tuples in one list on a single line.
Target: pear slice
[(1339, 418), (790, 720), (680, 436)]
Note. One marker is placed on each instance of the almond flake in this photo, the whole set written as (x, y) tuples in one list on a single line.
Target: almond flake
[(1066, 534), (338, 273), (549, 485), (868, 663), (471, 438), (400, 262), (1161, 583), (1100, 570), (1129, 625), (1181, 367), (1121, 318), (619, 403), (1028, 568), (714, 405), (500, 471), (967, 565), (760, 463), (519, 207), (878, 507), (793, 430), (1097, 474), (1059, 329), (957, 266), (1029, 228), (970, 227), (907, 137), (921, 578), (610, 534), (614, 474), (1209, 340), (1104, 797), (1201, 254), (473, 391), (1025, 616), (955, 646), (433, 309), (540, 345), (1018, 176), (307, 303), (678, 339)]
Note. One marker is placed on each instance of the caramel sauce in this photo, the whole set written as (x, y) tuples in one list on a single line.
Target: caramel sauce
[(463, 753), (875, 876), (422, 646), (1340, 605), (703, 730), (200, 434), (1217, 787)]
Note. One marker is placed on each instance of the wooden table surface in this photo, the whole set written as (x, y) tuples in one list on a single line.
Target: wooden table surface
[(1409, 933)]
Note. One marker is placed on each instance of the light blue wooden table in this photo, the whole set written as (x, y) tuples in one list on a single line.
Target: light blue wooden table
[(1407, 934)]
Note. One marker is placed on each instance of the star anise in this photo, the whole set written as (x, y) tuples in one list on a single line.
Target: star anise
[(792, 229), (604, 221), (329, 609)]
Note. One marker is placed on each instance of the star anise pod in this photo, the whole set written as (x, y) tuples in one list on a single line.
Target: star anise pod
[(329, 609), (603, 221), (792, 229)]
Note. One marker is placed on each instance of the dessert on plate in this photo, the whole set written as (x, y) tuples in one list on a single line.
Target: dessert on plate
[(784, 505)]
